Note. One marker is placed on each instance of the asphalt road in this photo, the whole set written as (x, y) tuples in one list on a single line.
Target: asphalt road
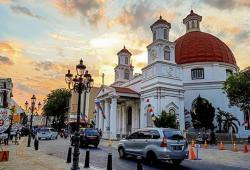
[(98, 158)]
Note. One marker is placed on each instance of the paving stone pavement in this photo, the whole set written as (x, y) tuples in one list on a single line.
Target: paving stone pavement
[(212, 154), (27, 158)]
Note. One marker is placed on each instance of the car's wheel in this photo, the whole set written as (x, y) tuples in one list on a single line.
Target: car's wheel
[(151, 158), (56, 136), (96, 146), (122, 153), (176, 162)]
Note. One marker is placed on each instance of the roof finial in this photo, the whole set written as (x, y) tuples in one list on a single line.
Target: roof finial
[(191, 11), (124, 47), (160, 17)]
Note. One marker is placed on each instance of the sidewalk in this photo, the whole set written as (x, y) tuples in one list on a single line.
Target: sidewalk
[(27, 158)]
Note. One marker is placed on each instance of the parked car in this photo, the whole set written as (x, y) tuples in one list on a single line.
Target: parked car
[(163, 144), (88, 136), (47, 133)]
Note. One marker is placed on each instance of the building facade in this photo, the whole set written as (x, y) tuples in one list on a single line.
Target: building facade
[(177, 72), (89, 105)]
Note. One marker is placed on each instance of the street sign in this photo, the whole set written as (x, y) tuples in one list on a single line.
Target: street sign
[(4, 119)]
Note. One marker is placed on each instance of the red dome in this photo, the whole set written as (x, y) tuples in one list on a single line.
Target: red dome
[(198, 46)]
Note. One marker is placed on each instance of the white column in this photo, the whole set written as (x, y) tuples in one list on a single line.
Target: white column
[(123, 120), (100, 119), (142, 116), (106, 121), (181, 114), (97, 117), (113, 118)]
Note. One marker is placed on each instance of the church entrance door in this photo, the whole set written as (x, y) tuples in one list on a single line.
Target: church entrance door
[(129, 120)]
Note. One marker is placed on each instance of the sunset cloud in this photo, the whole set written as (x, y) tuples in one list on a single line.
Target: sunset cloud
[(227, 4), (93, 10), (24, 10), (5, 60)]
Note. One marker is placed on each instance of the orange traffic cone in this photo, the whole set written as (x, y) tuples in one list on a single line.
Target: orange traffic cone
[(192, 143), (221, 146), (191, 154), (234, 148), (205, 145), (245, 148)]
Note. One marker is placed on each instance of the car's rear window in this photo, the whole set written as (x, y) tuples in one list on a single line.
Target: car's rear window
[(43, 130), (173, 135), (91, 132)]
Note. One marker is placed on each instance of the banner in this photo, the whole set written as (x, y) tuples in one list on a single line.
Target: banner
[(16, 118), (4, 119)]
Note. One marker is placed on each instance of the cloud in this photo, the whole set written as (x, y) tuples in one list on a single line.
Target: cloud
[(134, 15), (227, 4), (93, 10), (24, 10), (5, 60), (45, 65)]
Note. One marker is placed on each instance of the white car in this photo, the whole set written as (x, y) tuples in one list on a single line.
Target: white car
[(47, 133)]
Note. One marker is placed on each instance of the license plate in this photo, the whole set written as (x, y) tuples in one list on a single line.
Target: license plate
[(177, 147)]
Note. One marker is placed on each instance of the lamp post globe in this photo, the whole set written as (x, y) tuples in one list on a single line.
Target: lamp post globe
[(82, 82), (32, 108)]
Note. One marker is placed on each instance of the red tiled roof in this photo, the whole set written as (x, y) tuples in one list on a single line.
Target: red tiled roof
[(160, 21), (124, 90), (124, 50), (198, 46)]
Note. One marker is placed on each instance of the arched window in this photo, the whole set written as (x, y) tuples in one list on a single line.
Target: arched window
[(228, 73), (193, 25), (197, 73), (166, 53), (126, 74), (116, 75), (165, 34), (154, 35), (126, 60)]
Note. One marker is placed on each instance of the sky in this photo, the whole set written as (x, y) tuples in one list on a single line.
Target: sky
[(41, 39)]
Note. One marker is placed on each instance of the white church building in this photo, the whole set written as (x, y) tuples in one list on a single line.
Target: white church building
[(177, 72)]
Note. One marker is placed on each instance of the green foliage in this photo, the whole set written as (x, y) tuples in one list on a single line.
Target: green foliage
[(57, 104), (166, 120), (202, 114), (237, 88), (228, 121)]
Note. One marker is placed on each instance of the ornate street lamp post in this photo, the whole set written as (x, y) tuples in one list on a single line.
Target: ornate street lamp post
[(32, 108), (82, 82)]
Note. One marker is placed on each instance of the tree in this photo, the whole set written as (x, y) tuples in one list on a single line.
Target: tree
[(219, 119), (202, 114), (237, 87), (228, 121), (165, 120), (57, 105)]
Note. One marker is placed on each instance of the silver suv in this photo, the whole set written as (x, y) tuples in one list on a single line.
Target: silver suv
[(163, 144)]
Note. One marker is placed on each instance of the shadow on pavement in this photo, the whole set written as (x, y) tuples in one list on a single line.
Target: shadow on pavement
[(158, 165)]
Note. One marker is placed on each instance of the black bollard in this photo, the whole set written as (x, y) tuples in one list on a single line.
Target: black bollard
[(69, 155), (139, 164), (109, 165), (36, 144), (86, 164)]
